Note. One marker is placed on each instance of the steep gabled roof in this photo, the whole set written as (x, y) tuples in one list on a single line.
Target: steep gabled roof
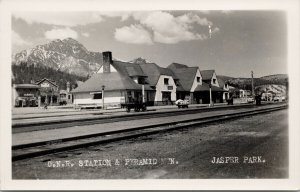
[(185, 74), (129, 69), (45, 79), (207, 74), (153, 72), (175, 66), (111, 81), (119, 80), (221, 82)]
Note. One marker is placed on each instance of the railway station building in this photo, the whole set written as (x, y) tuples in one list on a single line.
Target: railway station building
[(122, 82)]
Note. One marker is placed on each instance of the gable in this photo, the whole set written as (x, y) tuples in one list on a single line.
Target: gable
[(214, 80), (196, 83), (112, 69), (46, 83)]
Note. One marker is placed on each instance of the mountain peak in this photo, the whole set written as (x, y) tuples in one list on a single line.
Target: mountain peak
[(67, 55), (70, 40), (140, 60)]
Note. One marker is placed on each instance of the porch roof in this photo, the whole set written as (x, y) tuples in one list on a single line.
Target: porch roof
[(205, 87)]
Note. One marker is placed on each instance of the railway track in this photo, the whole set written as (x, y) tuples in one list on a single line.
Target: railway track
[(26, 151), (17, 128)]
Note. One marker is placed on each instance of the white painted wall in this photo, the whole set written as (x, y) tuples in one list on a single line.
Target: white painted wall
[(160, 86), (225, 96), (226, 87), (112, 69), (110, 97), (212, 82), (135, 79), (195, 83)]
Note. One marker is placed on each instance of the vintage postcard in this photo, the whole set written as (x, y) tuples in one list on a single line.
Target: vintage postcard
[(149, 95)]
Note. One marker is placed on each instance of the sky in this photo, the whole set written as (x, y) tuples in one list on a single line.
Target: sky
[(234, 43)]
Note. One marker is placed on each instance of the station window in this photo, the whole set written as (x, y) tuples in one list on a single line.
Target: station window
[(198, 79), (97, 96), (166, 81)]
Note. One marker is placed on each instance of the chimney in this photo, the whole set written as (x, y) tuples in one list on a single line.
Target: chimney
[(107, 60), (68, 86)]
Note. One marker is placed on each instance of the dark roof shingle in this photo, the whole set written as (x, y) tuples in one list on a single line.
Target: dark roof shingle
[(185, 74), (153, 72), (111, 81), (207, 74)]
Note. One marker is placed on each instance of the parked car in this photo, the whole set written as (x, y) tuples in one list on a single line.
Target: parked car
[(182, 103)]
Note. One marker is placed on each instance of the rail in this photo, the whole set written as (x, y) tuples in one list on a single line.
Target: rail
[(20, 152)]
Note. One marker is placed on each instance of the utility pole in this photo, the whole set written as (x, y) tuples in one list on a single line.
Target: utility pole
[(103, 97), (143, 93), (210, 96), (252, 83)]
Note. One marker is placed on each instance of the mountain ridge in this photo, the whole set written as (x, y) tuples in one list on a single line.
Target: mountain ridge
[(67, 55)]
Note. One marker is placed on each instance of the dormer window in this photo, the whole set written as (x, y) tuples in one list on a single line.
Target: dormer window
[(214, 81), (166, 81), (141, 80), (198, 79)]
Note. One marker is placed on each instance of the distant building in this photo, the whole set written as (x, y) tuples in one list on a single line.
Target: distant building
[(245, 93), (65, 96), (25, 95), (48, 91)]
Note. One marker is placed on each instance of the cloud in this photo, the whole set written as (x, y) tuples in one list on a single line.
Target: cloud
[(191, 18), (69, 19), (85, 34), (134, 34), (61, 33), (170, 29), (17, 40)]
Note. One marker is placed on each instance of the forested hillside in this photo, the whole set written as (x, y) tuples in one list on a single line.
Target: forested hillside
[(24, 73)]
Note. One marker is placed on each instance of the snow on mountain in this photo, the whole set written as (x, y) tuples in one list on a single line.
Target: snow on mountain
[(67, 55), (140, 60)]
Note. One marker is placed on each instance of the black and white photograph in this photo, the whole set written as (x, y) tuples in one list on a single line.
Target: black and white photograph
[(150, 94)]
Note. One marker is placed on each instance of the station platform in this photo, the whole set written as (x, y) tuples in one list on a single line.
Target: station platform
[(36, 115), (75, 131)]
